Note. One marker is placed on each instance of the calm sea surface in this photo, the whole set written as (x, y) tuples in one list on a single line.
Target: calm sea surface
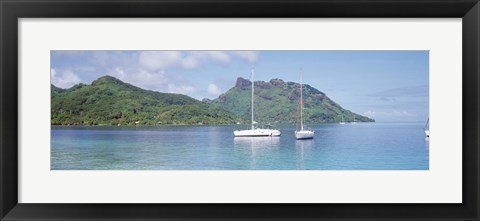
[(361, 146)]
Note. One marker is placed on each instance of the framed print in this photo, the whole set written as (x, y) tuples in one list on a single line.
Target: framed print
[(239, 110)]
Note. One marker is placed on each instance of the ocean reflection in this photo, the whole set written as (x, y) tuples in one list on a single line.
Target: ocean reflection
[(256, 142), (301, 147), (259, 148)]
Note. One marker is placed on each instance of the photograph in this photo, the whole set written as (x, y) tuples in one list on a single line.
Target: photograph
[(228, 110), (239, 110)]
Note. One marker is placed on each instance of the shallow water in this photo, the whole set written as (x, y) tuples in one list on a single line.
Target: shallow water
[(361, 146)]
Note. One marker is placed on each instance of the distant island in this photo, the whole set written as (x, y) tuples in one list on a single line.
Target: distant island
[(109, 101)]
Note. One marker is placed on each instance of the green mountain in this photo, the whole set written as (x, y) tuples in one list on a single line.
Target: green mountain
[(109, 101), (277, 101)]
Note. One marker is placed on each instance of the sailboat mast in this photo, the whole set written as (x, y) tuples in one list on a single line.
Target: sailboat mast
[(253, 86), (301, 103)]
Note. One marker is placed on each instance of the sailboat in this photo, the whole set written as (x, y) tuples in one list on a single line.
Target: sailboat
[(354, 122), (302, 133), (343, 120), (256, 132), (427, 128)]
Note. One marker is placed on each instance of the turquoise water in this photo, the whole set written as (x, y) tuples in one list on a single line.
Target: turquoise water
[(361, 146)]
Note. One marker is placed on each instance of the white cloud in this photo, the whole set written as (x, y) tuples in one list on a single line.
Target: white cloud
[(155, 60), (64, 79), (161, 60), (53, 73), (155, 80), (158, 60), (214, 89), (190, 63), (180, 89), (249, 56), (215, 56), (153, 70), (218, 56)]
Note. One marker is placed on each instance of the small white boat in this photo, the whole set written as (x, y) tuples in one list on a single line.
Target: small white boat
[(343, 121), (302, 133), (427, 128), (354, 122), (256, 132)]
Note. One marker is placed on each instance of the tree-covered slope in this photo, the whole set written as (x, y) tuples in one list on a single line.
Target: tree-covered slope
[(277, 101), (109, 101)]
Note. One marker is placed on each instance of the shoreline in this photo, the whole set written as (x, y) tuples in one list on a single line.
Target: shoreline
[(145, 125)]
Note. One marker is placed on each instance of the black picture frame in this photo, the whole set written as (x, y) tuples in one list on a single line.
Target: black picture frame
[(12, 10)]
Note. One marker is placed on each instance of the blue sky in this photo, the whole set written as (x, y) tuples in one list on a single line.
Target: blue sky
[(384, 85)]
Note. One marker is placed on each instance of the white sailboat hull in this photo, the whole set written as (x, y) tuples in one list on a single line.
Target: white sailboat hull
[(257, 133), (304, 134), (427, 133)]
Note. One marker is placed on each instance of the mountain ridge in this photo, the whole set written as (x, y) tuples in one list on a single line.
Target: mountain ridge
[(277, 101), (110, 101)]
